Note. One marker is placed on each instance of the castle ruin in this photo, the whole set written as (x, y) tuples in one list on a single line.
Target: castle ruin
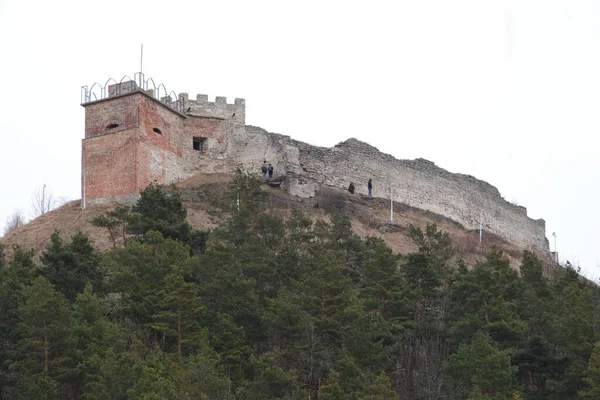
[(134, 136)]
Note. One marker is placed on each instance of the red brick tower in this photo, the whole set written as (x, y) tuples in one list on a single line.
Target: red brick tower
[(132, 139)]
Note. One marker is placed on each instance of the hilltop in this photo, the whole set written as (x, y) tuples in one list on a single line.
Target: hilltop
[(370, 217)]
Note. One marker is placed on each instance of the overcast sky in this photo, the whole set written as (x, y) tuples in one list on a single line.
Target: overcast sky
[(505, 91)]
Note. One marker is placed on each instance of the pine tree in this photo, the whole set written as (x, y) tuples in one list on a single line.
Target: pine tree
[(69, 267), (572, 330), (487, 299), (380, 389), (332, 390), (2, 256), (114, 373), (116, 222), (93, 334), (18, 275), (591, 389), (481, 369), (270, 380), (161, 210), (138, 274), (45, 334), (179, 312)]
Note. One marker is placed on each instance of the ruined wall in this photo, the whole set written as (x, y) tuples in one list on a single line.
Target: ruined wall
[(133, 139), (419, 183)]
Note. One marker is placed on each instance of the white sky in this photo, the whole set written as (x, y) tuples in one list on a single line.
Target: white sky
[(505, 91)]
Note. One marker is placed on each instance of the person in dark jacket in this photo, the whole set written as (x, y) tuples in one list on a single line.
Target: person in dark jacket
[(351, 188), (264, 171), (370, 186), (270, 169)]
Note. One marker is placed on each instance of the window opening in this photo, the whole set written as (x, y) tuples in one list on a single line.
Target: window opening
[(198, 144), (157, 131), (112, 126)]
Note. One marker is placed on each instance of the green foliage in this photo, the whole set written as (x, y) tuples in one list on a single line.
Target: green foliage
[(243, 192), (435, 245), (2, 256), (161, 211), (380, 389), (180, 311), (486, 299), (591, 389), (481, 370), (116, 221), (69, 267), (158, 209), (333, 390), (139, 373), (572, 330), (138, 273), (271, 381), (45, 338), (267, 307), (35, 387)]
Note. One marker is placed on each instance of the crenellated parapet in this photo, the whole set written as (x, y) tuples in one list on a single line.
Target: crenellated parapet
[(220, 109)]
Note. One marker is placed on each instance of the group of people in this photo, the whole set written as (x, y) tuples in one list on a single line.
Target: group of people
[(267, 170), (351, 188)]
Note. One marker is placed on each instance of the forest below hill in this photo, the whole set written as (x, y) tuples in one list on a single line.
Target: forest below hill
[(267, 307)]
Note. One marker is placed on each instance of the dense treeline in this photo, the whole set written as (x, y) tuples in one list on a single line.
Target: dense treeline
[(265, 307)]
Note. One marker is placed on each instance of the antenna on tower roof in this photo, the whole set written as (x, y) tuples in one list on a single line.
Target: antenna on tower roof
[(141, 65), (141, 57)]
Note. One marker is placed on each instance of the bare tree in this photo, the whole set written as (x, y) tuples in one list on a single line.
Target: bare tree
[(14, 221), (42, 201)]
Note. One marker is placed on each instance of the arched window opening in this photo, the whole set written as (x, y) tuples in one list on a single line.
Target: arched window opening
[(112, 126)]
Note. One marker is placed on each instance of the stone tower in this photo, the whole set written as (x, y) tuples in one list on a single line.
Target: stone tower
[(132, 139)]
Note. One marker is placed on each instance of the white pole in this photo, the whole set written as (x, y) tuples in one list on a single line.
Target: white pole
[(391, 205), (141, 65), (238, 201)]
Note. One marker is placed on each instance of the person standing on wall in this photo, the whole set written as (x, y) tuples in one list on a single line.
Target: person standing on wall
[(351, 188), (270, 169), (264, 170), (370, 186)]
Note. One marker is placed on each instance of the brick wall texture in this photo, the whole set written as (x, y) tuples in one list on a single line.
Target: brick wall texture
[(132, 140)]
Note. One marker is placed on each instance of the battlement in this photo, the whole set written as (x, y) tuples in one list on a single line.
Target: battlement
[(219, 109), (201, 107), (122, 88)]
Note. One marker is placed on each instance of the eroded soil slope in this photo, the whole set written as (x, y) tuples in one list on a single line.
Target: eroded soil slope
[(203, 193)]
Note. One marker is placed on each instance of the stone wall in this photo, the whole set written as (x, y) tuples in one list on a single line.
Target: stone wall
[(133, 139), (418, 183)]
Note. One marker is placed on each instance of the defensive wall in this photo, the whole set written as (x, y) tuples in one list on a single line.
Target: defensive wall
[(418, 183), (134, 137)]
